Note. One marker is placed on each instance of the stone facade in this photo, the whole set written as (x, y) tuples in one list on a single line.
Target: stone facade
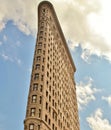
[(52, 103)]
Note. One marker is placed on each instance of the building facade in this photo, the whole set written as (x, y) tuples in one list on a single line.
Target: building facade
[(52, 103)]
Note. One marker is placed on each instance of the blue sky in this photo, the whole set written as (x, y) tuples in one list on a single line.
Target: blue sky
[(89, 41)]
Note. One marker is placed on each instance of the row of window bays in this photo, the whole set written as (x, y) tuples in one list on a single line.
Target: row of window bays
[(37, 127), (56, 64), (35, 87), (54, 91), (36, 97), (48, 119), (56, 100), (51, 93), (38, 66), (61, 83), (37, 75), (54, 41), (52, 126), (41, 46)]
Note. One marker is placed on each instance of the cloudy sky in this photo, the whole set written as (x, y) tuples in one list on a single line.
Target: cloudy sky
[(87, 27)]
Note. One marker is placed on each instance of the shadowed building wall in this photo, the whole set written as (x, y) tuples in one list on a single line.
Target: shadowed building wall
[(52, 103)]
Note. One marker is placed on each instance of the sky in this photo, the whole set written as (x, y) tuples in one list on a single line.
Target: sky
[(87, 27)]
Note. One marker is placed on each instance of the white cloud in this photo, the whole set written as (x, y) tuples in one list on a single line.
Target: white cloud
[(108, 99), (18, 61), (88, 22), (23, 27), (21, 12), (18, 43), (85, 55), (79, 30), (85, 93), (6, 57), (1, 43), (2, 25), (4, 38), (97, 122), (12, 59)]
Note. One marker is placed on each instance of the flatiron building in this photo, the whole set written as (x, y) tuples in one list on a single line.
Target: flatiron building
[(52, 101)]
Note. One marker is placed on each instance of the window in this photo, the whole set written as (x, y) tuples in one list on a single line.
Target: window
[(38, 58), (43, 52), (42, 68), (42, 23), (47, 82), (55, 117), (40, 38), (46, 105), (53, 102), (42, 77), (49, 98), (48, 57), (36, 76), (37, 67), (43, 59), (53, 75), (47, 65), (41, 32), (39, 51), (40, 101), (34, 98), (41, 87), (44, 45), (49, 122), (31, 126), (52, 126), (38, 127), (39, 113), (32, 113), (50, 70), (53, 92), (35, 87), (49, 109), (46, 93), (47, 74), (46, 118), (43, 10), (50, 88), (40, 44)]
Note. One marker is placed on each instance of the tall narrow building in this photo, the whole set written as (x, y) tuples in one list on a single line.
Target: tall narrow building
[(52, 103)]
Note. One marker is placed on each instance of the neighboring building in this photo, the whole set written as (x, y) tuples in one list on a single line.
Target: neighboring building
[(52, 102)]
